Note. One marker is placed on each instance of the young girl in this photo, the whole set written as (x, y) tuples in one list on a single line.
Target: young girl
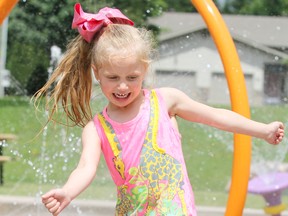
[(137, 131)]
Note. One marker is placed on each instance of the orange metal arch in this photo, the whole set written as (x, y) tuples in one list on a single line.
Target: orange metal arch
[(239, 103), (5, 7)]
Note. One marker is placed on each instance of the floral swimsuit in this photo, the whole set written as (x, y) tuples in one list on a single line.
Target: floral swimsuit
[(146, 162)]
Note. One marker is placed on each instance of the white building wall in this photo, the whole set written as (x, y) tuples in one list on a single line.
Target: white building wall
[(197, 54)]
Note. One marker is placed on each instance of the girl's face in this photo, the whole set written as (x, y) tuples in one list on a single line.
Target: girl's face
[(121, 81)]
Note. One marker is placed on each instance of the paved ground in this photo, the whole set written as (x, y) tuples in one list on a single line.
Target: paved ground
[(31, 206)]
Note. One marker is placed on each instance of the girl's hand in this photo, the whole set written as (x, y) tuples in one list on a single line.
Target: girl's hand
[(55, 201), (275, 133)]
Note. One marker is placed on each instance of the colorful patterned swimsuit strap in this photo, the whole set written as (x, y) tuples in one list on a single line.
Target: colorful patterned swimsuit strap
[(154, 120), (114, 144), (114, 141)]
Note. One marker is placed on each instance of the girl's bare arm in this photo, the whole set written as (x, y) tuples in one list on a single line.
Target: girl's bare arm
[(179, 104), (57, 199)]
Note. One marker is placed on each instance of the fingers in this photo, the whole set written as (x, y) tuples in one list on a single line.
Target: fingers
[(281, 130), (281, 125), (277, 141), (278, 138), (48, 195), (52, 205), (279, 134)]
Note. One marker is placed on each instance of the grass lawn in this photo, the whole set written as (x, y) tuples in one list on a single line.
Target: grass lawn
[(45, 161)]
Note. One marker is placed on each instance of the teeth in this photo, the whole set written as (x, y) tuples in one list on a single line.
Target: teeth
[(121, 95)]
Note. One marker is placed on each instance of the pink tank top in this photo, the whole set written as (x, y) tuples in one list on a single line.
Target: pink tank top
[(145, 159)]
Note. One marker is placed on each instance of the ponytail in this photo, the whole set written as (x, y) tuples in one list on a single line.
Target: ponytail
[(70, 84)]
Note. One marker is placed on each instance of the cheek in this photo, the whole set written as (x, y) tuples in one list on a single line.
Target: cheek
[(136, 85), (105, 86)]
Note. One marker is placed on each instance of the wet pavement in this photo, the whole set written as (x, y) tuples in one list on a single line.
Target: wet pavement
[(32, 206)]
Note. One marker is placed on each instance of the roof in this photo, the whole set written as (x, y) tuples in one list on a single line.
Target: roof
[(269, 31)]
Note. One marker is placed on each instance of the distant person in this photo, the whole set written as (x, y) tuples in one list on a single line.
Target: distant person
[(137, 131)]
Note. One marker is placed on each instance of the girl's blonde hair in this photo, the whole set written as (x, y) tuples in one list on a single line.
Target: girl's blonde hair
[(71, 82)]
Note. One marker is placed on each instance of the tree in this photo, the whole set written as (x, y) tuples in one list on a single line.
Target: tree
[(37, 79), (257, 7), (34, 26), (183, 5), (22, 58), (45, 22)]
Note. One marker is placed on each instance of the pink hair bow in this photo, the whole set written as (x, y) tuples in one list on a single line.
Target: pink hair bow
[(88, 24)]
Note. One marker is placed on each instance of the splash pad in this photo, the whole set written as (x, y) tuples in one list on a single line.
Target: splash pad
[(270, 176), (270, 187), (242, 146)]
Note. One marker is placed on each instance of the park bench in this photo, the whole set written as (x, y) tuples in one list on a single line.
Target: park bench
[(3, 158)]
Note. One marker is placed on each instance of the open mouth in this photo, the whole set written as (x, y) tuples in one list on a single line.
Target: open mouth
[(121, 96)]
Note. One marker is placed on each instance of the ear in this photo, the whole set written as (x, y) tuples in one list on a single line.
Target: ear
[(95, 71), (146, 68)]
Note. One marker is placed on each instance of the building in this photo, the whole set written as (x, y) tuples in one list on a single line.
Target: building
[(188, 58)]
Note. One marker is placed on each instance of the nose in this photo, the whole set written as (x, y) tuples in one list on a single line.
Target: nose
[(122, 86)]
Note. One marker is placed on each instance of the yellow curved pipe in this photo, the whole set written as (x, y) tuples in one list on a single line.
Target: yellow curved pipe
[(239, 103), (5, 7)]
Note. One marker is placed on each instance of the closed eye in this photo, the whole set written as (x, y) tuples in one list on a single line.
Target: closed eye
[(131, 78), (112, 77)]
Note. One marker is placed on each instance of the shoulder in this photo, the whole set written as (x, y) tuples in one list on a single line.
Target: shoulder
[(91, 145), (90, 133), (89, 126), (168, 91), (172, 97)]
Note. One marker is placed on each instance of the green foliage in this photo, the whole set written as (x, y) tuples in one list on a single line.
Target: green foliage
[(34, 26), (44, 22), (181, 6), (184, 5), (37, 79), (22, 58), (257, 7), (140, 10)]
